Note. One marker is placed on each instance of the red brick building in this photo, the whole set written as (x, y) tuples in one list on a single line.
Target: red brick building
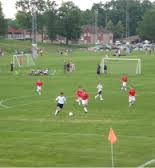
[(91, 36)]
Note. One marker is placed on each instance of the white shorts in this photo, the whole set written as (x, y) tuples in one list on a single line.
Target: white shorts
[(124, 84), (38, 88), (85, 102), (132, 99)]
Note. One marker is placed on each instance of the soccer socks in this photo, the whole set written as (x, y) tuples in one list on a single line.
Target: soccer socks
[(101, 98), (96, 96), (123, 89), (57, 111), (85, 109), (78, 101)]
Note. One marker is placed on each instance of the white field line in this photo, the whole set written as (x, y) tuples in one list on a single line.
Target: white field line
[(22, 97), (2, 105), (14, 98), (147, 163), (78, 134)]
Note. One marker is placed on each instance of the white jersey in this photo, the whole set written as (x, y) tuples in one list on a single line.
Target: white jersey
[(99, 87), (61, 99)]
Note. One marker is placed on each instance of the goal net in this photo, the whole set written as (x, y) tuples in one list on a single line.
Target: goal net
[(121, 66), (22, 60)]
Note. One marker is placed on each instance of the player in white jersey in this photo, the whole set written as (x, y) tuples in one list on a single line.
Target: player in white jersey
[(61, 99), (99, 91)]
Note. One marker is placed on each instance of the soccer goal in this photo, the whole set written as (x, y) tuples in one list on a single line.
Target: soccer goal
[(121, 66), (22, 60)]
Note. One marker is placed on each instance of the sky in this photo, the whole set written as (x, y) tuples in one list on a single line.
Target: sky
[(9, 9)]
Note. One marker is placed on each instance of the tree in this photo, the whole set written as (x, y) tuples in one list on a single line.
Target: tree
[(87, 17), (51, 20), (24, 14), (13, 23), (129, 12), (147, 26), (110, 26), (27, 5), (102, 15), (3, 25), (70, 21), (24, 20), (119, 30)]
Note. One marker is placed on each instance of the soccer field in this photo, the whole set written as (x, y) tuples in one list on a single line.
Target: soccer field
[(32, 136)]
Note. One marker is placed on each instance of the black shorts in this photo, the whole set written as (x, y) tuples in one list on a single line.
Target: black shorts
[(60, 105), (100, 92)]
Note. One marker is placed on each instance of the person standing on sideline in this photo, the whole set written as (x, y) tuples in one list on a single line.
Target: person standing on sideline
[(98, 71), (85, 98), (99, 91), (65, 66), (61, 99), (124, 81), (105, 69), (39, 85), (11, 66), (132, 98)]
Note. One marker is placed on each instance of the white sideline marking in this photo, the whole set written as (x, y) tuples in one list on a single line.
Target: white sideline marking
[(2, 105), (147, 163), (19, 97)]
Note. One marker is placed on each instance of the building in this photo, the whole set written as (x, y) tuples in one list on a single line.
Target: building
[(92, 35), (18, 34), (132, 39)]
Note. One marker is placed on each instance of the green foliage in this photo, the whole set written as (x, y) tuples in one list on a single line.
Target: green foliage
[(146, 27), (24, 14), (27, 5), (70, 21), (119, 30), (110, 26), (24, 19), (51, 20), (13, 23), (3, 23), (87, 17), (127, 11)]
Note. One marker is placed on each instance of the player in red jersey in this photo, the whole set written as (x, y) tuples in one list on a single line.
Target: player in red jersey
[(78, 95), (39, 85), (124, 81), (132, 98), (85, 98)]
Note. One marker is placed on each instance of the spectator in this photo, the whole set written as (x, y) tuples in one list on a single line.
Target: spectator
[(105, 69), (98, 71), (11, 66)]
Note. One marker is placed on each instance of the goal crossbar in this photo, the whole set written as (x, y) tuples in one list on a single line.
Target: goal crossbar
[(29, 59), (138, 67)]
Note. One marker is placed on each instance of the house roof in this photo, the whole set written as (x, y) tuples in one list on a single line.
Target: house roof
[(13, 30), (91, 29)]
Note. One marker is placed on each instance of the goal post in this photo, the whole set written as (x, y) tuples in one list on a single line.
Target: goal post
[(121, 65), (22, 60)]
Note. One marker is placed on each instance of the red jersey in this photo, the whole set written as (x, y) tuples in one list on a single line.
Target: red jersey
[(79, 92), (132, 92), (124, 78), (39, 83), (84, 96)]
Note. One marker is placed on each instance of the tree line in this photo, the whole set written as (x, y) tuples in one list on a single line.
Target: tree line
[(122, 17)]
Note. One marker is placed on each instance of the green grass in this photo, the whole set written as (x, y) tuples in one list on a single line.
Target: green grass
[(32, 136)]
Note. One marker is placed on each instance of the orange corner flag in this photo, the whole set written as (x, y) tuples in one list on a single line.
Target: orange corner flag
[(112, 137)]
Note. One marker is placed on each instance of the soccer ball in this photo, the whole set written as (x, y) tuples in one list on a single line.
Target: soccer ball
[(70, 114)]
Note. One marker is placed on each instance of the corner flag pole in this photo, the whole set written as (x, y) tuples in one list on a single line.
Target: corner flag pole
[(112, 155), (112, 139)]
